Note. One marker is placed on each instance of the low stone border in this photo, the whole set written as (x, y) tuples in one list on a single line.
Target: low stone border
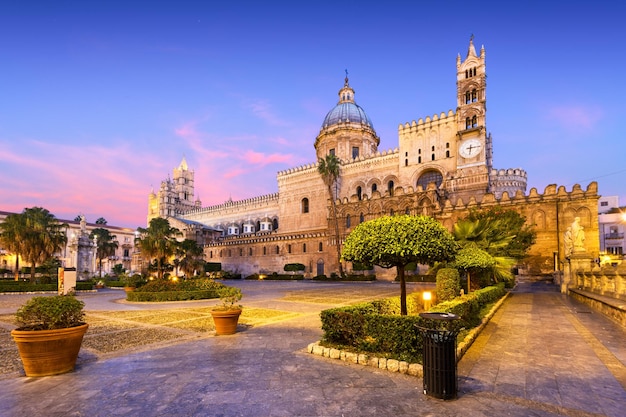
[(391, 365), (394, 365)]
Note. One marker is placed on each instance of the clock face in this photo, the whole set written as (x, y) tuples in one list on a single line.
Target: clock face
[(470, 148)]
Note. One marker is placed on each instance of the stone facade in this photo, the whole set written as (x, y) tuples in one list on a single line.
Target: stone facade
[(442, 168)]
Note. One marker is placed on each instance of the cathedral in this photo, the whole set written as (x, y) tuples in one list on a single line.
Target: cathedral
[(442, 167)]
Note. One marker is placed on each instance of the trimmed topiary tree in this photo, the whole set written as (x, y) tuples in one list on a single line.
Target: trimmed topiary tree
[(397, 241), (448, 284)]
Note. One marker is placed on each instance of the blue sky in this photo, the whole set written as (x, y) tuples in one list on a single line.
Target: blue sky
[(99, 102)]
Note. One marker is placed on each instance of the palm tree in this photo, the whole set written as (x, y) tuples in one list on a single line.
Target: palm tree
[(107, 245), (328, 168), (157, 241), (190, 256), (12, 232), (35, 235)]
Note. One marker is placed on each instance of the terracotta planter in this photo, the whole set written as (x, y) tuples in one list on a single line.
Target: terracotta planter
[(49, 352), (225, 321)]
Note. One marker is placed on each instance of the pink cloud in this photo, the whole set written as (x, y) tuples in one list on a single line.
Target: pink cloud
[(576, 117), (263, 159)]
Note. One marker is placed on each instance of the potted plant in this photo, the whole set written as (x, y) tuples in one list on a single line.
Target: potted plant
[(226, 315), (50, 334)]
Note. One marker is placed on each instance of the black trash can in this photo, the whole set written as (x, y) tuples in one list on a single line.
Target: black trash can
[(439, 362)]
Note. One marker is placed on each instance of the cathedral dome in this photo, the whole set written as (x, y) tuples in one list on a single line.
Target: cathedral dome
[(349, 112), (346, 110)]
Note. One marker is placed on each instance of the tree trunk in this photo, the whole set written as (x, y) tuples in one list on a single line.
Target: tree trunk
[(17, 267), (469, 287), (32, 272), (336, 224), (402, 290)]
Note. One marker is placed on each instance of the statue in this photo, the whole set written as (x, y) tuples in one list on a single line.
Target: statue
[(575, 238), (568, 241), (83, 224)]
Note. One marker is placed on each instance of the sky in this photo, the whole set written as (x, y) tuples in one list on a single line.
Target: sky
[(99, 102)]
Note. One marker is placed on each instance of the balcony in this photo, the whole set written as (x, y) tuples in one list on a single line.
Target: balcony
[(619, 236)]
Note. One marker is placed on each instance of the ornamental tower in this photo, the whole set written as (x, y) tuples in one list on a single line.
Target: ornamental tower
[(474, 144)]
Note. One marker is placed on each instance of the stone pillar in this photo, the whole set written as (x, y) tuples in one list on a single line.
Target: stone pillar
[(576, 262)]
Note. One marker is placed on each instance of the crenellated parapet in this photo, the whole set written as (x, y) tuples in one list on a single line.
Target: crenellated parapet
[(428, 123), (249, 203)]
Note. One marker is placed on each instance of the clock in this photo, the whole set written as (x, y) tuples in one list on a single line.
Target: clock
[(470, 148)]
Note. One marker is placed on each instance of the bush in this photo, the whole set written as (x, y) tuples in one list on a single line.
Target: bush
[(448, 284), (376, 327), (49, 313), (294, 267), (164, 290)]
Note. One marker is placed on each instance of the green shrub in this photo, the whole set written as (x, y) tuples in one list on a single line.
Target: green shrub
[(294, 267), (49, 313), (448, 284), (165, 290), (376, 327)]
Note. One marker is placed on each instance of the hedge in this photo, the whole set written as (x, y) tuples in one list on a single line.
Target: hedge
[(25, 286), (276, 277), (172, 295), (164, 290), (376, 327), (351, 277)]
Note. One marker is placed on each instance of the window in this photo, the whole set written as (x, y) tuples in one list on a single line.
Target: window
[(604, 203), (468, 123), (474, 121), (374, 187), (264, 250), (419, 159), (320, 247), (407, 211), (390, 187), (275, 224), (305, 205), (277, 250), (361, 218), (249, 251), (359, 192), (355, 152), (240, 252), (447, 154), (428, 177), (304, 248), (467, 98), (474, 96), (331, 152), (348, 221), (432, 157), (406, 162), (126, 253), (289, 248)]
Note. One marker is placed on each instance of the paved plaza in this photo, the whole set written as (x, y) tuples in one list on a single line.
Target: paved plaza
[(542, 354)]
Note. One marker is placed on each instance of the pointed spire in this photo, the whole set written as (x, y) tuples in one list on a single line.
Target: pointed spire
[(183, 164), (471, 51)]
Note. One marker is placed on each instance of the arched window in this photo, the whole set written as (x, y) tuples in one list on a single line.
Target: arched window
[(374, 187), (277, 249), (320, 247), (468, 123), (359, 192), (447, 154), (361, 218), (474, 121), (407, 211), (305, 205), (304, 247), (264, 250), (428, 177), (249, 251), (275, 224), (390, 186), (289, 248), (467, 97), (348, 221), (474, 96)]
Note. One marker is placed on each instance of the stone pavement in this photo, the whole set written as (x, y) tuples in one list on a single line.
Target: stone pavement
[(541, 355)]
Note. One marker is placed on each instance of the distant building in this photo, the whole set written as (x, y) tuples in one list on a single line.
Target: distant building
[(442, 167), (68, 256), (612, 225)]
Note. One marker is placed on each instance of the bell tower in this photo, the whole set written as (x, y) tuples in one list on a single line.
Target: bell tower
[(474, 147)]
